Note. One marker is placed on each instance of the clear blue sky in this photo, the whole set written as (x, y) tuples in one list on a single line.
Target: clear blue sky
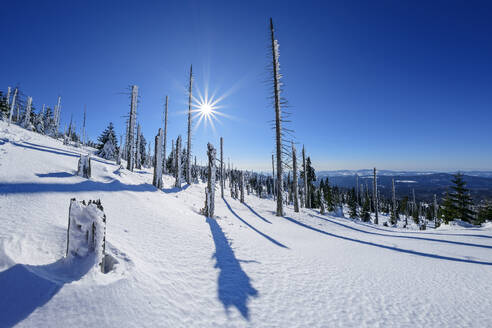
[(392, 84)]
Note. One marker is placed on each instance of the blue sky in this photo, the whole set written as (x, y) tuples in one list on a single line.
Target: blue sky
[(392, 84)]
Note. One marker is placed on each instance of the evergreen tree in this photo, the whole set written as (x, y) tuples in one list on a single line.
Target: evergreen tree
[(352, 203), (366, 208), (107, 147), (461, 199), (448, 209), (484, 214)]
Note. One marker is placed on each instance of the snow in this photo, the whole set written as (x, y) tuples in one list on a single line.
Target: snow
[(172, 267)]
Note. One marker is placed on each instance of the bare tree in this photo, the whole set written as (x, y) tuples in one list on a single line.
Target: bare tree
[(375, 196), (221, 167), (138, 154), (209, 208), (278, 118), (306, 193), (12, 105), (131, 129), (188, 150), (164, 168), (295, 177), (157, 181), (177, 158)]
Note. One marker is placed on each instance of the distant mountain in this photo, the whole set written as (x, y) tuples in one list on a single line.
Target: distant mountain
[(425, 184)]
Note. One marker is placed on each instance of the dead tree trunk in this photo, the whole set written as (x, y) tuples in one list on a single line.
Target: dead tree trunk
[(306, 193), (375, 196), (178, 163), (12, 105), (209, 208), (164, 168), (273, 177), (221, 167), (157, 181), (295, 187), (131, 130), (84, 166), (278, 119), (188, 151), (138, 154), (394, 199), (241, 186)]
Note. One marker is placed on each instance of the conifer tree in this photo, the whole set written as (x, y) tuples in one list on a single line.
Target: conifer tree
[(366, 215), (352, 203), (108, 144), (462, 199), (394, 209)]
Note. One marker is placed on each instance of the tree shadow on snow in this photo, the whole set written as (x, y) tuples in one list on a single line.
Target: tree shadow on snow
[(403, 237), (256, 213), (392, 248), (253, 228), (234, 285), (174, 190), (24, 288), (54, 175), (87, 185), (423, 233), (58, 151)]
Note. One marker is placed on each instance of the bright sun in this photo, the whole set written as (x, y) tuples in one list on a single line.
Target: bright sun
[(206, 109)]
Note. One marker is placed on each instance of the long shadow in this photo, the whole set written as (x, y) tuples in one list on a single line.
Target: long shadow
[(54, 175), (404, 237), (407, 251), (234, 285), (87, 185), (255, 213), (57, 151), (24, 288), (46, 149), (422, 233), (174, 190), (253, 228)]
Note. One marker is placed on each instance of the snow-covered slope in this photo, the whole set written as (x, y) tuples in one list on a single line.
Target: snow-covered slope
[(247, 267)]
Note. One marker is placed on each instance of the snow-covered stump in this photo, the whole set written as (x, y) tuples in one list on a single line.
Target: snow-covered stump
[(84, 166), (209, 208), (157, 181), (86, 232)]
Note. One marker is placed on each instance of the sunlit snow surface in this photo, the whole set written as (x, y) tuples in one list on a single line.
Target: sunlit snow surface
[(247, 267)]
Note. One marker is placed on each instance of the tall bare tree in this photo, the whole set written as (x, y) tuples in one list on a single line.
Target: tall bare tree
[(296, 179), (131, 130), (221, 167), (164, 168), (278, 118), (375, 196), (12, 105), (306, 193), (188, 149)]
